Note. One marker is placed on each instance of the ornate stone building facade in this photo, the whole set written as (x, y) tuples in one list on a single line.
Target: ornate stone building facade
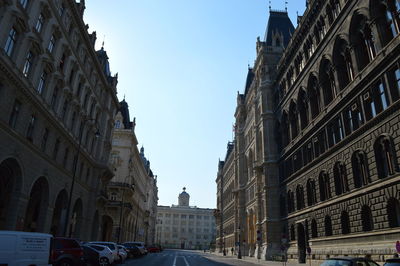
[(325, 147), (132, 205), (184, 226), (56, 92)]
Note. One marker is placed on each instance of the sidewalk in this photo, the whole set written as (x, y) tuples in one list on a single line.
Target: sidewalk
[(264, 262)]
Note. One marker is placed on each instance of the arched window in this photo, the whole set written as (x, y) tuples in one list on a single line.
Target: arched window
[(311, 194), (385, 156), (324, 190), (314, 96), (303, 108), (366, 219), (345, 222), (343, 63), (285, 129), (314, 229), (386, 17), (293, 120), (328, 226), (290, 201), (340, 177), (327, 81), (393, 212), (360, 169), (300, 197), (362, 40), (282, 205)]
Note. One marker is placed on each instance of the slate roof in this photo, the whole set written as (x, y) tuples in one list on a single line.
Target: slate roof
[(279, 21), (125, 114), (249, 80)]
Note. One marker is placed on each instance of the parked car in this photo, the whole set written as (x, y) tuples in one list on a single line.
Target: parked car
[(112, 246), (91, 256), (133, 250), (392, 262), (122, 252), (66, 251), (349, 261), (24, 248), (153, 249), (105, 254), (140, 245)]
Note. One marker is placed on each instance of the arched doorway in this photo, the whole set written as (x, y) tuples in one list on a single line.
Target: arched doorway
[(75, 222), (301, 243), (106, 228), (35, 215), (60, 209), (95, 226), (10, 189)]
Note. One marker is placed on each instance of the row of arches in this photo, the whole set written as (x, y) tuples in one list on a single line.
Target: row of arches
[(350, 55), (326, 226), (386, 163), (38, 207)]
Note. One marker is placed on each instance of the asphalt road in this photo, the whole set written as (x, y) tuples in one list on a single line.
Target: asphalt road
[(184, 258)]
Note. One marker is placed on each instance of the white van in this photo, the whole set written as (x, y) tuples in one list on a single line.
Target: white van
[(24, 248)]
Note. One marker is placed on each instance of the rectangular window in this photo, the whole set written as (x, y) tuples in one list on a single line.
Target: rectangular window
[(31, 127), (52, 43), (375, 100), (61, 10), (394, 82), (14, 114), (39, 23), (44, 139), (42, 82), (28, 63), (353, 118), (56, 148), (319, 144), (10, 43), (335, 131)]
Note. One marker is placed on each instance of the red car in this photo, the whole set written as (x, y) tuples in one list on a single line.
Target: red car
[(66, 251), (153, 249)]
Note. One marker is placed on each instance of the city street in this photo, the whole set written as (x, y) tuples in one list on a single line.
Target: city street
[(185, 258)]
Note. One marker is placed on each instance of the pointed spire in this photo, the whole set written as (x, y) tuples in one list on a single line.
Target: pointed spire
[(286, 3), (269, 5)]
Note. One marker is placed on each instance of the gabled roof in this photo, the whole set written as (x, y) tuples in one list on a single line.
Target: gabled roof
[(279, 22)]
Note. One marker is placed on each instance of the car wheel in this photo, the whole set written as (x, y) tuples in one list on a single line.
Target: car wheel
[(65, 262), (103, 261)]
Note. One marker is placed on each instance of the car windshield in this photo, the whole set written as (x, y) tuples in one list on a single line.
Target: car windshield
[(111, 246), (97, 248), (336, 263)]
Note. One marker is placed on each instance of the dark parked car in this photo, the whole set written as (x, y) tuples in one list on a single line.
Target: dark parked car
[(392, 262), (349, 261), (133, 251), (90, 255), (66, 252)]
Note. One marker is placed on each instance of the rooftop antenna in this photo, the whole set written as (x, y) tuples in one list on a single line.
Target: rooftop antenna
[(286, 3), (124, 97), (270, 6)]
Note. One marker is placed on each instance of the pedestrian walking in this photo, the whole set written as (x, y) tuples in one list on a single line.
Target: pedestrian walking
[(232, 251)]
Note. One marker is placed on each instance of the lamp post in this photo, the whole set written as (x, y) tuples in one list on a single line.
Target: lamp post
[(223, 243), (71, 190), (239, 256)]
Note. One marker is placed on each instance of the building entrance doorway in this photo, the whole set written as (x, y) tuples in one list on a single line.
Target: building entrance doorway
[(301, 243)]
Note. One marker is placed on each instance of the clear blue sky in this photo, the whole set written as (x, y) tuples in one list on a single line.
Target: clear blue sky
[(180, 65)]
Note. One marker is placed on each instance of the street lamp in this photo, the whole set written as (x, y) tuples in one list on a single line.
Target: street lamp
[(223, 243), (97, 134), (239, 256)]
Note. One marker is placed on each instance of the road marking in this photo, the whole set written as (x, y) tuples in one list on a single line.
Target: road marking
[(187, 264), (174, 262)]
